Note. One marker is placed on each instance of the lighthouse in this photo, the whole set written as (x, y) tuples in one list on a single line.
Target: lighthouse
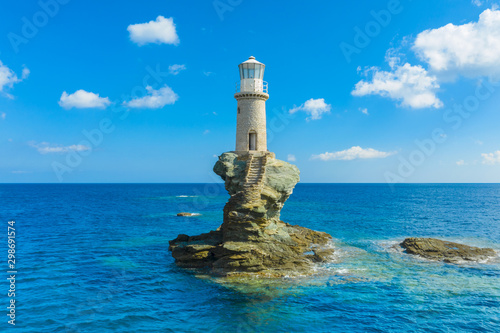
[(251, 94)]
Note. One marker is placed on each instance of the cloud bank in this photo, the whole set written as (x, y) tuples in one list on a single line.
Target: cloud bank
[(82, 99), (176, 69), (160, 31), (155, 99), (353, 153), (8, 78), (411, 85), (491, 158), (315, 108), (471, 50), (47, 148)]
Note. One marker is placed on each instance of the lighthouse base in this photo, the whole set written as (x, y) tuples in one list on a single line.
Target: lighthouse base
[(252, 239)]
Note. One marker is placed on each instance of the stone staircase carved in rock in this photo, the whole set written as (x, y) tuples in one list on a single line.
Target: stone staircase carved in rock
[(254, 179)]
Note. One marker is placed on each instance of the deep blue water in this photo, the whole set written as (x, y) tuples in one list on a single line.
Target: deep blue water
[(94, 258)]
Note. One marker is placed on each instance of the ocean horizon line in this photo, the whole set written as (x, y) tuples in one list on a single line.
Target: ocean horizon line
[(203, 183)]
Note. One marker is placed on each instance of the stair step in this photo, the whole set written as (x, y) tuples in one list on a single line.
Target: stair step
[(254, 178)]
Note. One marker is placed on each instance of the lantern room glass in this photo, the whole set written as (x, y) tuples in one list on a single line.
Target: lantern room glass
[(251, 71), (261, 73), (257, 71)]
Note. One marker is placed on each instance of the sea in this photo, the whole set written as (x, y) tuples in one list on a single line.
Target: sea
[(94, 258)]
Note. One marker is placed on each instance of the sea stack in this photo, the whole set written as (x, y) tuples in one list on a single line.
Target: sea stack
[(252, 239)]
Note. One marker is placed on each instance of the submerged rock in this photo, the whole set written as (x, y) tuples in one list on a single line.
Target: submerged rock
[(435, 249), (252, 238)]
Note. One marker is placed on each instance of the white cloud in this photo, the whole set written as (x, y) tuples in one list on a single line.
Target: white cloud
[(161, 31), (471, 49), (491, 158), (352, 154), (3, 115), (155, 99), (26, 72), (82, 99), (207, 73), (206, 132), (411, 85), (478, 142), (364, 111), (8, 78), (176, 69), (460, 162), (291, 158), (315, 108), (47, 148)]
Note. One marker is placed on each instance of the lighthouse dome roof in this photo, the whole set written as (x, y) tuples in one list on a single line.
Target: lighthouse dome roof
[(251, 60)]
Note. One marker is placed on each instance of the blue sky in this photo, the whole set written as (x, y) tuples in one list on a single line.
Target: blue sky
[(360, 91)]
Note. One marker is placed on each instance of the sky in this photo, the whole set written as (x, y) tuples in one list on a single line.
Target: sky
[(142, 91)]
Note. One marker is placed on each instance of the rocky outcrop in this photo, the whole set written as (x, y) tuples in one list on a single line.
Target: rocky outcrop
[(187, 214), (435, 249), (252, 238)]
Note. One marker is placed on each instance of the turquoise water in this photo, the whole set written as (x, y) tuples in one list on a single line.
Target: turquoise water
[(94, 258)]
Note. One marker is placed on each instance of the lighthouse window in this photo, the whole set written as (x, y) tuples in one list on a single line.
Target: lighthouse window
[(251, 71), (257, 71), (238, 109)]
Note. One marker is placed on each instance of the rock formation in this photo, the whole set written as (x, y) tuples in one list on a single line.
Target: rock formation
[(435, 249), (186, 214), (252, 239)]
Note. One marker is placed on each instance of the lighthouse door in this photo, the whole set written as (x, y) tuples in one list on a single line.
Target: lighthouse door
[(252, 140)]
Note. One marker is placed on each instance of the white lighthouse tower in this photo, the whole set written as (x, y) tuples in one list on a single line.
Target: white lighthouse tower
[(251, 94)]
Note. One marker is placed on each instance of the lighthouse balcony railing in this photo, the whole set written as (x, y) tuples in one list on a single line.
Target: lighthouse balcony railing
[(252, 87)]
